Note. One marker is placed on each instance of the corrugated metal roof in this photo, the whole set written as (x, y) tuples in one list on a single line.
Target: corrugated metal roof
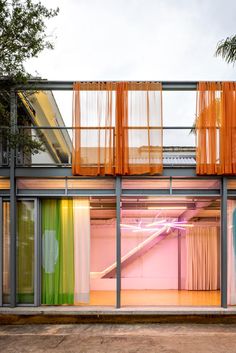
[(179, 159)]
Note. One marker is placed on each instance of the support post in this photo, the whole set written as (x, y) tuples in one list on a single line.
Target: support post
[(223, 234), (118, 242), (179, 259), (37, 254), (13, 214), (1, 251)]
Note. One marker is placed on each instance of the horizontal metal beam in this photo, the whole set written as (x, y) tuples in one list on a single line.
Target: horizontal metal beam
[(68, 85), (5, 172), (166, 192), (34, 127), (61, 192), (57, 172)]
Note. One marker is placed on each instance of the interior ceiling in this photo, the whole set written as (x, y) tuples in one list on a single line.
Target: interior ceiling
[(146, 207)]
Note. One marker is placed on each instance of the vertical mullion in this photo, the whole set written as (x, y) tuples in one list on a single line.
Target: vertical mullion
[(13, 214), (1, 251), (223, 233), (118, 242), (179, 259), (37, 254), (39, 251)]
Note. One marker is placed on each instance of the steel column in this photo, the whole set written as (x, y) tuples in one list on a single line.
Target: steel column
[(223, 234), (13, 211), (118, 242), (1, 250), (37, 254), (179, 259)]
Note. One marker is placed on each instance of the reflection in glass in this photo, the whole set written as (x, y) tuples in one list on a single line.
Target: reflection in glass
[(25, 252)]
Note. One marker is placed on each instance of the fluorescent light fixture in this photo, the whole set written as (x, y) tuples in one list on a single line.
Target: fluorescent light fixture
[(167, 208)]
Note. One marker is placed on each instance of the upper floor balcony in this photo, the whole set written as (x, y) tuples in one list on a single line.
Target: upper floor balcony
[(46, 109), (123, 128)]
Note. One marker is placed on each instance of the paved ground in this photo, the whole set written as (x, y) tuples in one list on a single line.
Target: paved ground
[(97, 338)]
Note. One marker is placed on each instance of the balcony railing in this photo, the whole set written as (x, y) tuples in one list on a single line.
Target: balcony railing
[(179, 153)]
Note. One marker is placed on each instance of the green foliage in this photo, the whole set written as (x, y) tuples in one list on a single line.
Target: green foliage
[(22, 37), (22, 34), (227, 49)]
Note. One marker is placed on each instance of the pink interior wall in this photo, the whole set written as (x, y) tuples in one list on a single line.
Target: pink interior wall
[(103, 254), (156, 269)]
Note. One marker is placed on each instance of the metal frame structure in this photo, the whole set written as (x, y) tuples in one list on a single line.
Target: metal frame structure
[(14, 172)]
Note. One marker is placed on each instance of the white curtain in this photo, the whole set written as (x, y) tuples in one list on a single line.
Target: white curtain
[(202, 245), (231, 252), (81, 208)]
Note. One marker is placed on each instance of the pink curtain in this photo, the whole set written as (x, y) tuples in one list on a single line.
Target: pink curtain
[(81, 207), (202, 247)]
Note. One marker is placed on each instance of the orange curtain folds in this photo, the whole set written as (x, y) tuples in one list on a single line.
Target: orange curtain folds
[(143, 133), (94, 133), (216, 128), (118, 128)]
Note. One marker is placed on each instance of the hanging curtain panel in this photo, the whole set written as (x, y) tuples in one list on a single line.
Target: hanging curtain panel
[(216, 128), (118, 128), (143, 133), (231, 243), (82, 249), (202, 247), (25, 252), (94, 136), (51, 237), (58, 252), (66, 251)]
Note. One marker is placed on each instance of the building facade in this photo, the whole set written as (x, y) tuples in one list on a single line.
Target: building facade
[(110, 215)]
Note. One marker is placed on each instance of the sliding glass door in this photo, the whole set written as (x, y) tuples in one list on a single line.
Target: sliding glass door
[(6, 252), (26, 218), (25, 252)]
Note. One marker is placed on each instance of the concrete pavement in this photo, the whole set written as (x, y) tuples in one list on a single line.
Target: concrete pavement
[(104, 338)]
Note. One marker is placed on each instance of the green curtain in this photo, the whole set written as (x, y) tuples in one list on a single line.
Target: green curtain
[(25, 252), (58, 252)]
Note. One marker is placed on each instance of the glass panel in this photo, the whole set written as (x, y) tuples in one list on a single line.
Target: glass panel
[(25, 252), (195, 183), (45, 184), (4, 183), (145, 183), (6, 252), (179, 108), (179, 137), (41, 184), (46, 109), (231, 184), (101, 184), (170, 251), (103, 253)]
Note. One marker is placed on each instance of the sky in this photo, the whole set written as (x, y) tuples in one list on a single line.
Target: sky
[(137, 40)]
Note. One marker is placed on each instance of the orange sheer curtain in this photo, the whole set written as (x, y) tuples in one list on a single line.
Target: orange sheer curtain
[(118, 128), (216, 128), (144, 134), (94, 136)]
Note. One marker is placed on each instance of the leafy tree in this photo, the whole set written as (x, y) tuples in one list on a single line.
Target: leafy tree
[(22, 36), (227, 49)]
